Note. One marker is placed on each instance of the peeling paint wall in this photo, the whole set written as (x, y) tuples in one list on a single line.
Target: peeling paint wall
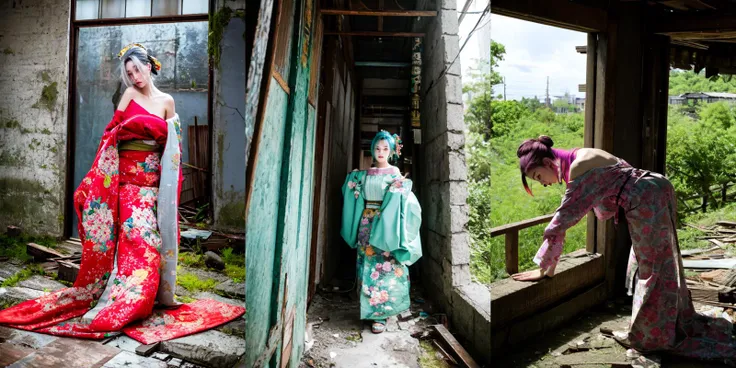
[(33, 114), (228, 133)]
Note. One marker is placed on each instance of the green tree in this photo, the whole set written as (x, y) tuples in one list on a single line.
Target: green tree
[(717, 115), (682, 81), (478, 113), (701, 153), (532, 104), (497, 52)]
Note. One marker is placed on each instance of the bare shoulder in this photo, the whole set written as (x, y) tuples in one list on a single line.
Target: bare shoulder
[(590, 158), (168, 103), (129, 94)]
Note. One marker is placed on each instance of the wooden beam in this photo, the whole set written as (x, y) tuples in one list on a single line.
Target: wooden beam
[(557, 13), (455, 346), (516, 226), (374, 34), (702, 35), (512, 252), (709, 22), (589, 130), (380, 19), (381, 13), (40, 253)]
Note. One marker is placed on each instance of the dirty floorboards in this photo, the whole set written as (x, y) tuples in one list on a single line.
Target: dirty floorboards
[(580, 344)]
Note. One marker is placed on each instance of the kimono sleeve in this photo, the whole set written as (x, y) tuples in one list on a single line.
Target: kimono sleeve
[(397, 228), (352, 207), (576, 203)]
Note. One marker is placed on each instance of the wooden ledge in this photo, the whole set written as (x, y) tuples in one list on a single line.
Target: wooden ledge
[(512, 300)]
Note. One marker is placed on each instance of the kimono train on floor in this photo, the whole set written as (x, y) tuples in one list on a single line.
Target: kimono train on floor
[(128, 225), (663, 317), (381, 218)]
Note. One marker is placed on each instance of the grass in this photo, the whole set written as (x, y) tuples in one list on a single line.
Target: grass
[(193, 283), (25, 274), (15, 247), (234, 265), (687, 236), (185, 299), (191, 259), (429, 358)]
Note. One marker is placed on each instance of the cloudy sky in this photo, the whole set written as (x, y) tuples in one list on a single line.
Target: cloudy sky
[(535, 52)]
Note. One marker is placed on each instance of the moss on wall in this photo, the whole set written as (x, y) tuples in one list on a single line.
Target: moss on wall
[(232, 215), (217, 23), (49, 94)]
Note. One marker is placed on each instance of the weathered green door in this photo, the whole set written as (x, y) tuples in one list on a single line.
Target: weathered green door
[(278, 222)]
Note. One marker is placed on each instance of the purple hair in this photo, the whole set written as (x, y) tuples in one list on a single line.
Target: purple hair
[(531, 154)]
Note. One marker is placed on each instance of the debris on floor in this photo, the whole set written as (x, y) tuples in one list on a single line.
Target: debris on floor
[(336, 337), (590, 341), (223, 346)]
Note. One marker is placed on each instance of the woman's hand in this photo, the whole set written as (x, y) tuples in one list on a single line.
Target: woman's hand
[(529, 275)]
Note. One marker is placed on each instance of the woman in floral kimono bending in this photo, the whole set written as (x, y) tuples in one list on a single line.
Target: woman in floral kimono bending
[(381, 218), (663, 317), (128, 224)]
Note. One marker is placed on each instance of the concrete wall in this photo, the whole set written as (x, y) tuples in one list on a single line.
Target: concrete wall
[(34, 58), (228, 151), (443, 179)]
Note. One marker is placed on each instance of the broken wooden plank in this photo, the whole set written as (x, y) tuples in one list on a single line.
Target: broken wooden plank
[(41, 253), (699, 228), (710, 296), (710, 263), (711, 275), (146, 350), (727, 279), (726, 223), (455, 346), (68, 271), (13, 231), (691, 252), (718, 243), (444, 352)]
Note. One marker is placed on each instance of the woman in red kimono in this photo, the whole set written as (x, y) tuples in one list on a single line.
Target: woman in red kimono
[(663, 318), (127, 210)]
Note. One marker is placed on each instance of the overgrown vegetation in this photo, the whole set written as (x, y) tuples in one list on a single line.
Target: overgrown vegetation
[(429, 357), (234, 265), (26, 273), (193, 283), (15, 247)]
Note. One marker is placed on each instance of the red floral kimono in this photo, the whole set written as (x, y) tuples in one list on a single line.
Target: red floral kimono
[(128, 225)]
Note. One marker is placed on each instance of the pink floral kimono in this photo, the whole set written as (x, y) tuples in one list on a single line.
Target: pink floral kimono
[(663, 317)]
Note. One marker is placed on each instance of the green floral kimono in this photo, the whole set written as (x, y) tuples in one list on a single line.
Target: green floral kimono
[(381, 218)]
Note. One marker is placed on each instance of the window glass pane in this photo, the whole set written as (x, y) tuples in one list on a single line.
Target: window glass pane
[(166, 7), (182, 50), (137, 8), (87, 9), (113, 8), (195, 7)]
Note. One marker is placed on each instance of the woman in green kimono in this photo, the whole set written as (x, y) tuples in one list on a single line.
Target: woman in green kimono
[(381, 218)]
